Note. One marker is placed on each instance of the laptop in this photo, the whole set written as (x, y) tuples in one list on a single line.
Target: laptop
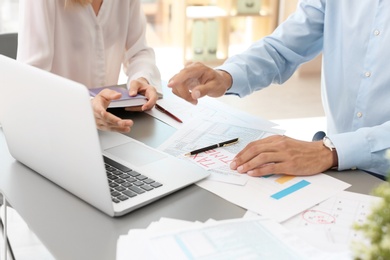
[(49, 126)]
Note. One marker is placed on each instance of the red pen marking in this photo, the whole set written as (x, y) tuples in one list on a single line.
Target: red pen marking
[(318, 217)]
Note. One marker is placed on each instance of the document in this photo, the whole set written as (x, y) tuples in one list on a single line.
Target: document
[(209, 108), (257, 238), (278, 197), (332, 221), (202, 132)]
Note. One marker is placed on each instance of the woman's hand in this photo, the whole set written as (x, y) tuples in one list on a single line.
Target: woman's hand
[(141, 86), (104, 120)]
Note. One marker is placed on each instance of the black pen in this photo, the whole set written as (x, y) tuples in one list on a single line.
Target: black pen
[(223, 144)]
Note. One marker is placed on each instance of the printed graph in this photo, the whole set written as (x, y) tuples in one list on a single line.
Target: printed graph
[(284, 185)]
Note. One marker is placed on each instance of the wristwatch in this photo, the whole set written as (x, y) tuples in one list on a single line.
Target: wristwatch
[(328, 143)]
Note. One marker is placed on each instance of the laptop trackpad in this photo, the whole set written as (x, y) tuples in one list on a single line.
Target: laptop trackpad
[(135, 153)]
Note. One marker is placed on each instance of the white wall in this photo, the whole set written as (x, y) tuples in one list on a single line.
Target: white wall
[(9, 15)]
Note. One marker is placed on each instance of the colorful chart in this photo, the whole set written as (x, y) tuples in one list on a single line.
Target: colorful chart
[(281, 181)]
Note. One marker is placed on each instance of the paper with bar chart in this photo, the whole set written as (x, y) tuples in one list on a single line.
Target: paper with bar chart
[(279, 197)]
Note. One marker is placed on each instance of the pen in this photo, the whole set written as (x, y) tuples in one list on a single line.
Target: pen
[(160, 108), (223, 144)]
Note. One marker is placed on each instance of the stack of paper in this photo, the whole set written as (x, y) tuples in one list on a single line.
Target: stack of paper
[(256, 238)]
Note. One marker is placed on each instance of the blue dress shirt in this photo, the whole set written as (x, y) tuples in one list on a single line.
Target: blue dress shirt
[(354, 38)]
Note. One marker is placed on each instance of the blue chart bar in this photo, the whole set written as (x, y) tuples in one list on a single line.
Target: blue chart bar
[(291, 189)]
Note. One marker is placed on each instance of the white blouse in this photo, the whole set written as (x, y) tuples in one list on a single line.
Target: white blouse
[(75, 43)]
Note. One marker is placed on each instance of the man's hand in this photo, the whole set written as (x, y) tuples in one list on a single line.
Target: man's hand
[(196, 80), (104, 120), (141, 86), (283, 155)]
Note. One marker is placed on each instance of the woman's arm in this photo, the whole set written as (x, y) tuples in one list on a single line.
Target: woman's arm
[(36, 33)]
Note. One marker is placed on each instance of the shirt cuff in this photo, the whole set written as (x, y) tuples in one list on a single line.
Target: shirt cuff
[(240, 85), (353, 150)]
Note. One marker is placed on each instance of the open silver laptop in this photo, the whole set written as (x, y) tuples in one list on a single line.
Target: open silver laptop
[(49, 126)]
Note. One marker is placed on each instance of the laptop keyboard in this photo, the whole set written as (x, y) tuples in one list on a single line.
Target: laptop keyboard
[(126, 183)]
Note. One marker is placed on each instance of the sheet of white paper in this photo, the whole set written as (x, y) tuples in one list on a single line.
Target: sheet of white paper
[(178, 107), (170, 225), (201, 133), (136, 241), (228, 114), (278, 197), (332, 221), (126, 244), (206, 108), (257, 238)]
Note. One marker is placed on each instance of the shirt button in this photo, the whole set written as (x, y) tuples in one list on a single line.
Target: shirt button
[(359, 114), (367, 74), (377, 32)]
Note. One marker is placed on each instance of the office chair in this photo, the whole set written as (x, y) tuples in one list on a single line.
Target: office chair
[(8, 47), (9, 44)]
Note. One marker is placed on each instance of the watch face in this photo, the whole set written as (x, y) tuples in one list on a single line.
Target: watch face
[(328, 143)]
